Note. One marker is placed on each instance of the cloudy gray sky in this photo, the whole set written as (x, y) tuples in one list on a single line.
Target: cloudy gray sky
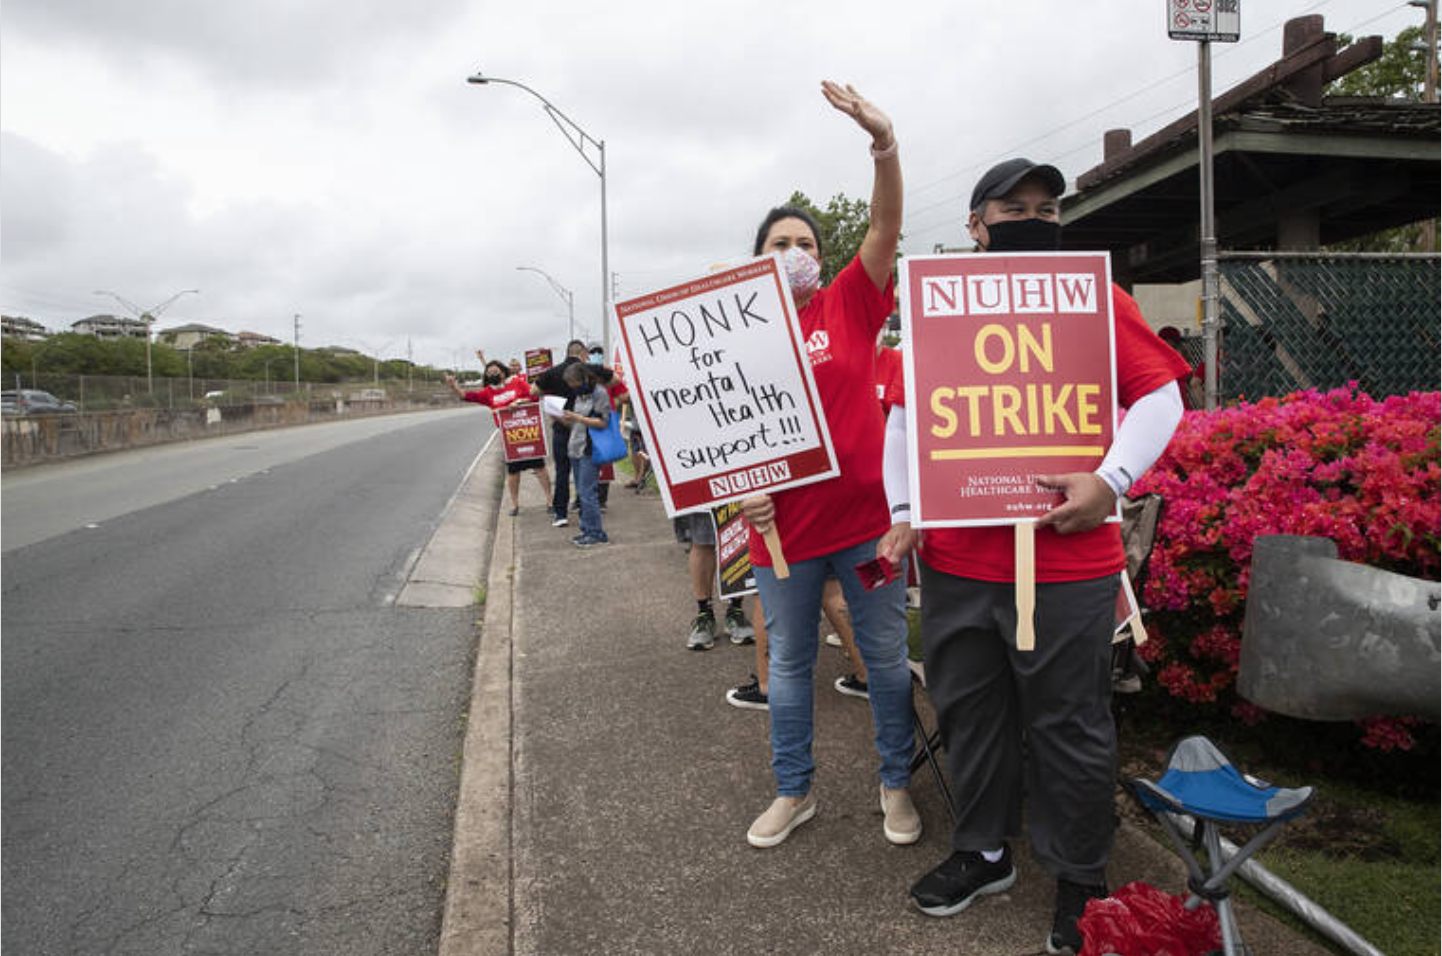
[(328, 158)]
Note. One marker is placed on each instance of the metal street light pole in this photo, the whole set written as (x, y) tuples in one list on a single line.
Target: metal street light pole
[(148, 317), (578, 138), (566, 295)]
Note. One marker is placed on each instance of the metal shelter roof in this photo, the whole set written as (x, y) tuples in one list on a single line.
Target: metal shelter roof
[(1293, 169)]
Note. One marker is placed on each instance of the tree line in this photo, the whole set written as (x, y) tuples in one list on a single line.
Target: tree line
[(71, 353)]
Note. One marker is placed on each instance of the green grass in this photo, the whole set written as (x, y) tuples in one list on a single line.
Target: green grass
[(1377, 871), (1393, 904)]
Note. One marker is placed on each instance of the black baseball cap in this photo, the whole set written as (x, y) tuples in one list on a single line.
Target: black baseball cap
[(1003, 177)]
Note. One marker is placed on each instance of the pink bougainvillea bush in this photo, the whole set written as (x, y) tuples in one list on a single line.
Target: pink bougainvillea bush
[(1338, 464)]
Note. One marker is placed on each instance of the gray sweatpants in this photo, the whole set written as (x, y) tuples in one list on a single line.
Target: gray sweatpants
[(1037, 723)]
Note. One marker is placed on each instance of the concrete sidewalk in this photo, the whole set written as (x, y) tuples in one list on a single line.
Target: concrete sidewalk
[(607, 785)]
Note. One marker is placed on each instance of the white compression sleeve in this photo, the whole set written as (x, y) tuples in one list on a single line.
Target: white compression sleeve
[(893, 466), (1142, 437)]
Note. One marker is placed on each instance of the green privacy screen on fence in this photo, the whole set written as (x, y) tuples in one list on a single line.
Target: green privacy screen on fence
[(1305, 320)]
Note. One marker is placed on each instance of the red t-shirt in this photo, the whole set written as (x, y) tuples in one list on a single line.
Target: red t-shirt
[(499, 396), (1144, 364), (840, 324), (888, 378)]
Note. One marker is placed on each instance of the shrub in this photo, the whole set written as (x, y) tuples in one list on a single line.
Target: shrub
[(1338, 464)]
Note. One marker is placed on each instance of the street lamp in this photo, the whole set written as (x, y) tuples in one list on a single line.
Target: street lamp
[(578, 138), (565, 294), (148, 316)]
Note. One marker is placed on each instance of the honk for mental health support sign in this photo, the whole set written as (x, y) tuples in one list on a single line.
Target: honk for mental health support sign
[(717, 368), (1010, 374)]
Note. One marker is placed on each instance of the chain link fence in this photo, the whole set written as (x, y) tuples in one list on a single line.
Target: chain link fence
[(1307, 320)]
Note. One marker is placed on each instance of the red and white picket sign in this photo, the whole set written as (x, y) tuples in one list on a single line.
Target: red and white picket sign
[(523, 433), (1010, 374), (718, 371)]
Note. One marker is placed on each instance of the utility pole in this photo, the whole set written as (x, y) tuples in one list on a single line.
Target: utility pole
[(297, 353), (1429, 36), (1187, 22), (1429, 95)]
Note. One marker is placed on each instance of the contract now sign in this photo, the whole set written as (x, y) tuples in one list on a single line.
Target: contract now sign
[(1010, 374), (523, 435)]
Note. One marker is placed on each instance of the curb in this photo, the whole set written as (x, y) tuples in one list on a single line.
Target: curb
[(453, 562), (477, 917)]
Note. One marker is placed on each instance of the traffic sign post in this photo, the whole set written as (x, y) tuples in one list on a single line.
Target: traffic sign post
[(1205, 21), (1210, 21)]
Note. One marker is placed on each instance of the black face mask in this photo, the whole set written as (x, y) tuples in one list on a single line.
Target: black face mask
[(1024, 235), (493, 378)]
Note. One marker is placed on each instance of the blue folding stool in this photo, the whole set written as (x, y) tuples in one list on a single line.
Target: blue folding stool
[(1202, 783)]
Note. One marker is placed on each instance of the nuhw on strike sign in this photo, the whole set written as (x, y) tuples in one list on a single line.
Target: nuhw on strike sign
[(717, 368), (1010, 374)]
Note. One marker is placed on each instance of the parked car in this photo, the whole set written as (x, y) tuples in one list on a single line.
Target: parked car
[(30, 401)]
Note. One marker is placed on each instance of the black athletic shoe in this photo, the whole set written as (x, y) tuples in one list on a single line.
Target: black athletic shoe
[(1071, 903), (961, 878)]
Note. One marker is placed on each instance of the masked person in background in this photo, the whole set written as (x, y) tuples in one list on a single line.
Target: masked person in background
[(832, 526), (552, 382), (1034, 724), (616, 391), (500, 391)]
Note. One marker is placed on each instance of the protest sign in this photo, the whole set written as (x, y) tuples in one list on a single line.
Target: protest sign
[(618, 364), (718, 370), (734, 576), (523, 436), (537, 361), (1010, 374)]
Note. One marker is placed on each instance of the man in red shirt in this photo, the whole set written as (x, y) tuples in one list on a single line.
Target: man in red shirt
[(1035, 723)]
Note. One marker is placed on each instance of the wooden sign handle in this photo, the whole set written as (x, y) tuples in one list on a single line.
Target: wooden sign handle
[(1026, 586), (778, 560)]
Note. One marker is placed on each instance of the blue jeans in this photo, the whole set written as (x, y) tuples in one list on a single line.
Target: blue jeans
[(793, 608), (586, 472)]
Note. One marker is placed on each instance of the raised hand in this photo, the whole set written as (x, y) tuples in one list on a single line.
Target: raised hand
[(867, 115)]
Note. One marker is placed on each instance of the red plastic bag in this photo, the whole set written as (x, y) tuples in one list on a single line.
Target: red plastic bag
[(1141, 920)]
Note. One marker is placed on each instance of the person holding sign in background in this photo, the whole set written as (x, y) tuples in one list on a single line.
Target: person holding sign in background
[(552, 382), (591, 409), (834, 525), (499, 393), (1032, 722)]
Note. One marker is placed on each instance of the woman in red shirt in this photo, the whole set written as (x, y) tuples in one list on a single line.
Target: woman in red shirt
[(503, 389), (830, 527)]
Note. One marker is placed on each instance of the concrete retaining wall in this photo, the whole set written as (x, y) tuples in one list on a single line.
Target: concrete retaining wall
[(29, 440)]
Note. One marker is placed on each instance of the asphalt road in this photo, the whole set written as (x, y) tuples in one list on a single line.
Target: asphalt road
[(220, 735)]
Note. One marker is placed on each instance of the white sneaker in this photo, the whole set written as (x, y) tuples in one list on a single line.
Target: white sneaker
[(560, 522), (784, 815)]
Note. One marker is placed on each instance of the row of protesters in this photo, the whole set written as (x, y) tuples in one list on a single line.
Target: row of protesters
[(1034, 726), (831, 527), (502, 388)]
